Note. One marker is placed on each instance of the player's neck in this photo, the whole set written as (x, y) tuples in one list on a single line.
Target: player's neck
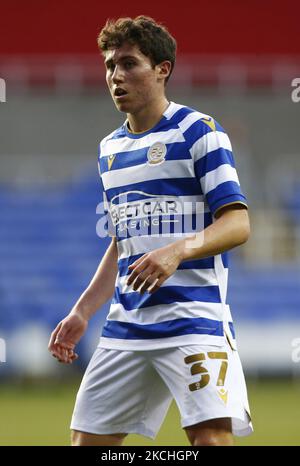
[(147, 117)]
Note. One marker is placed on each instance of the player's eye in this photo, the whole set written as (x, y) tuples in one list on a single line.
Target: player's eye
[(129, 64)]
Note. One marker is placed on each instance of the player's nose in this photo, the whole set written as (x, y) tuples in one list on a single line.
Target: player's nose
[(117, 75)]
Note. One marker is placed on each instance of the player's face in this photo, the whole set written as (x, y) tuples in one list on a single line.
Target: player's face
[(132, 80)]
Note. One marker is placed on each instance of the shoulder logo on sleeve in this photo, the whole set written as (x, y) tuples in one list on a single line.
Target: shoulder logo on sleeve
[(156, 153), (209, 121), (110, 160)]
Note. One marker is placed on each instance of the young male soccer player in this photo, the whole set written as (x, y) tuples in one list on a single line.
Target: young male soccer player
[(169, 332)]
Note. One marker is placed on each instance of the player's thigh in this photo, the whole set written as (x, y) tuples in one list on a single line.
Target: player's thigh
[(111, 391), (120, 393), (215, 432), (81, 439)]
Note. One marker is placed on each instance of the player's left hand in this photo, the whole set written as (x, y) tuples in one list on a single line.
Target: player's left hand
[(150, 271)]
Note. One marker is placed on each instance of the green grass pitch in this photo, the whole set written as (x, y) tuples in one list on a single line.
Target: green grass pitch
[(37, 414)]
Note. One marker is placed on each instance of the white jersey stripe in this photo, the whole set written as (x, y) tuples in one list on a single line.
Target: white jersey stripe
[(155, 343), (126, 176), (218, 176), (182, 277), (126, 144), (165, 312), (208, 143), (190, 119), (172, 109), (143, 244)]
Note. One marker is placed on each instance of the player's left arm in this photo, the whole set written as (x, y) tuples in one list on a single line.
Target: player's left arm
[(230, 229)]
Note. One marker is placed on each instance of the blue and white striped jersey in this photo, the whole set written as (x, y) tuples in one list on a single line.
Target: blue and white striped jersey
[(158, 186)]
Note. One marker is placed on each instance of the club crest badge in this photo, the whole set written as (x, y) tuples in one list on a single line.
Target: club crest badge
[(156, 153)]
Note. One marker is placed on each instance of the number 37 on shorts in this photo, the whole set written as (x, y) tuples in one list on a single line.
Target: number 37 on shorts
[(198, 366)]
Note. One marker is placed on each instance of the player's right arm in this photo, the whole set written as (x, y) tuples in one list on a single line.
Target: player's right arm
[(101, 288)]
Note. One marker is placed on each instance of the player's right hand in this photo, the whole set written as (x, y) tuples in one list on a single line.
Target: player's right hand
[(65, 336)]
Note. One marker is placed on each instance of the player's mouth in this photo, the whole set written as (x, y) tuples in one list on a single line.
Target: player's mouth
[(120, 93)]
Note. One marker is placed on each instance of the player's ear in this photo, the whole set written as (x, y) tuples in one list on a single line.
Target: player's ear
[(164, 69)]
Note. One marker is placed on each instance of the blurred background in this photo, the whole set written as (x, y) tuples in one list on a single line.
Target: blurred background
[(236, 61)]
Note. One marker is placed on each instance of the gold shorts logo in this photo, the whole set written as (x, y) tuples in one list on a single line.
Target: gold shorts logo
[(197, 367)]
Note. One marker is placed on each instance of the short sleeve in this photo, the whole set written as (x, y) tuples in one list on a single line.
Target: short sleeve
[(214, 165)]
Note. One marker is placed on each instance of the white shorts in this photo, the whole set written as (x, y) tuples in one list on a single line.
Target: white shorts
[(131, 391)]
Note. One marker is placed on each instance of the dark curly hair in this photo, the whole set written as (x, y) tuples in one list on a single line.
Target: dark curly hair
[(153, 39)]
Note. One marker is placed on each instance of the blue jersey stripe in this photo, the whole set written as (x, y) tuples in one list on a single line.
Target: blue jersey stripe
[(162, 187), (167, 329), (199, 129), (102, 165), (213, 160), (207, 263), (198, 264), (196, 131), (235, 199), (118, 134), (175, 151), (163, 125), (232, 329), (167, 295), (224, 193), (180, 115)]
